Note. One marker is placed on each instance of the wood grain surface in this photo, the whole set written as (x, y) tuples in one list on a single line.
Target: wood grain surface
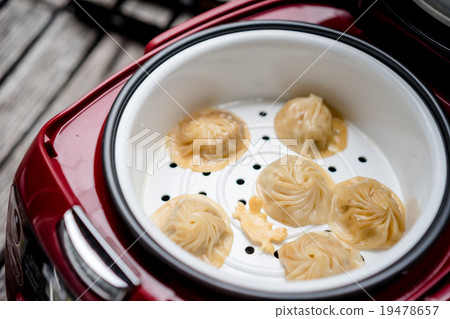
[(48, 59), (21, 22)]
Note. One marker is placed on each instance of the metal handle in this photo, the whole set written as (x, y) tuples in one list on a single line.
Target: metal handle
[(96, 263)]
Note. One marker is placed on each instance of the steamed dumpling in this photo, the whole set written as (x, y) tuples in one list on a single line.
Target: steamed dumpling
[(308, 118), (215, 139), (295, 191), (305, 118), (366, 214), (197, 224), (317, 255)]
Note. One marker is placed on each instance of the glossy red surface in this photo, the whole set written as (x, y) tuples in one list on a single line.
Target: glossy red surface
[(63, 167)]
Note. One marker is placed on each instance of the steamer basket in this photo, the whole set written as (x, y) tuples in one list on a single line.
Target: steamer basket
[(397, 134)]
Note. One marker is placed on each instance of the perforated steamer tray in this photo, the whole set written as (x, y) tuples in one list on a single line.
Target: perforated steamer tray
[(243, 68), (237, 182)]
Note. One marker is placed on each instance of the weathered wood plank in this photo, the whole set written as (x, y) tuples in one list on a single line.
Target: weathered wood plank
[(147, 12), (20, 22), (104, 3), (103, 61), (57, 3), (40, 76)]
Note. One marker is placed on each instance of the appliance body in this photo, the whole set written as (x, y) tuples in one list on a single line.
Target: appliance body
[(63, 228)]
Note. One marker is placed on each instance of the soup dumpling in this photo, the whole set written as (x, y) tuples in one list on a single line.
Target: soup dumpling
[(308, 118), (317, 255), (208, 141), (366, 214), (197, 224), (295, 191)]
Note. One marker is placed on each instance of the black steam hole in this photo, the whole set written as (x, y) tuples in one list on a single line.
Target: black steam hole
[(275, 254), (173, 165), (266, 138), (332, 169), (165, 198), (202, 193), (257, 166), (206, 173), (362, 159), (240, 181), (243, 201), (249, 250), (262, 113)]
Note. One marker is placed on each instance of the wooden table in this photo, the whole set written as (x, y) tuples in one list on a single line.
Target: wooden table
[(49, 59)]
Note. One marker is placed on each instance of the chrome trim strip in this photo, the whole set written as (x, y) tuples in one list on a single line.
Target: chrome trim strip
[(93, 259)]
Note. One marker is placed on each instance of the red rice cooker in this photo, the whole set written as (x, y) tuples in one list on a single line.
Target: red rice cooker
[(78, 218)]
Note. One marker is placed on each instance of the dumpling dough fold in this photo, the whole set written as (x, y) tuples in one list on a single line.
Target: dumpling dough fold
[(295, 191), (215, 139), (308, 118), (197, 224), (367, 214), (317, 255)]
